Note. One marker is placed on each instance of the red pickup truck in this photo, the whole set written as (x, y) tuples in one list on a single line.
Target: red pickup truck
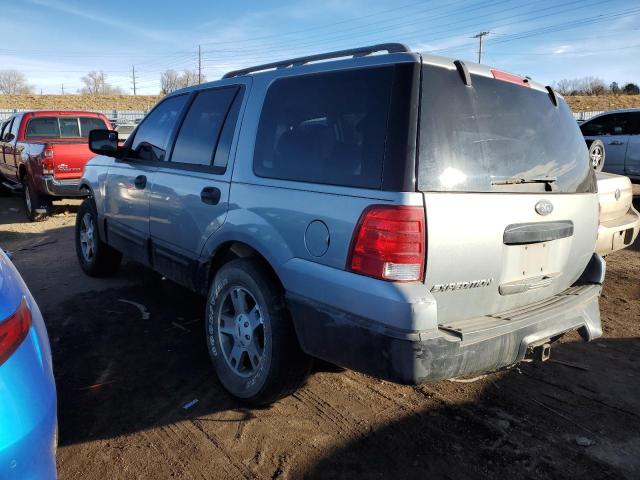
[(43, 153)]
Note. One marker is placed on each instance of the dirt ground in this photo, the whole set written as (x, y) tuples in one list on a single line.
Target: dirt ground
[(123, 381)]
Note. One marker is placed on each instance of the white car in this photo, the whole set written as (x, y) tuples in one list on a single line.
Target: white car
[(619, 221)]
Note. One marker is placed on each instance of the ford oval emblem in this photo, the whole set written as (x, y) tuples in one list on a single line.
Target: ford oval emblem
[(617, 194), (544, 207)]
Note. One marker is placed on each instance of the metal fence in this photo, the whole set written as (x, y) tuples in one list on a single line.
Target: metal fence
[(118, 116), (130, 116), (586, 115)]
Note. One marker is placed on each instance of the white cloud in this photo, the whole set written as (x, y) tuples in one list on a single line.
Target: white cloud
[(81, 11)]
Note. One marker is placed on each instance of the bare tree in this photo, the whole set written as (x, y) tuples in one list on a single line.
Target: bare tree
[(581, 86), (13, 82), (169, 82), (593, 86), (95, 83), (564, 86), (190, 77)]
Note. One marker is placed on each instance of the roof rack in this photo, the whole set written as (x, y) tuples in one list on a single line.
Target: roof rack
[(295, 62)]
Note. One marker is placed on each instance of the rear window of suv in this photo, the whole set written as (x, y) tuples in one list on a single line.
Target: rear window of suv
[(63, 127), (327, 128), (472, 138)]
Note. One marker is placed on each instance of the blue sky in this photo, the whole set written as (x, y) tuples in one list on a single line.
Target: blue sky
[(58, 41)]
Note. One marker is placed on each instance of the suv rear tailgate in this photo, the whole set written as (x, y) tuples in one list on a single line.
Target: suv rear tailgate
[(472, 272), (510, 199)]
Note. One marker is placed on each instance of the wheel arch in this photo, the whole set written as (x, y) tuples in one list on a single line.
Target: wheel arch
[(231, 250)]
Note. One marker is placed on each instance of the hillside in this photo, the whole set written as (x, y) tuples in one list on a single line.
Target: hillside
[(583, 103), (144, 102), (78, 102)]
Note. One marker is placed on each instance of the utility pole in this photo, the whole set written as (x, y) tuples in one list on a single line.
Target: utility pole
[(199, 65), (479, 37), (63, 89), (133, 75)]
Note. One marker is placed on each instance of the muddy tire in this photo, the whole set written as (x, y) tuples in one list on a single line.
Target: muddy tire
[(36, 206), (250, 335), (96, 258), (596, 155)]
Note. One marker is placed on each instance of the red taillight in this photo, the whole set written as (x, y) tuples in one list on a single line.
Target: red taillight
[(389, 243), (47, 162), (13, 330)]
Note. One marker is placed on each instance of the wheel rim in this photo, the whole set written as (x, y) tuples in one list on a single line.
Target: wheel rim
[(27, 198), (596, 156), (241, 331), (87, 241)]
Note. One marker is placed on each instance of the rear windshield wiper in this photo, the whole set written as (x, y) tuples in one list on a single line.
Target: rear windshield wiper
[(516, 181)]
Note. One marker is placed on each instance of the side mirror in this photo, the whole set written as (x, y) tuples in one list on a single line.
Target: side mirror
[(104, 142), (8, 137)]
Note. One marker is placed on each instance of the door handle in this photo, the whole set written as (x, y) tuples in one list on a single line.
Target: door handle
[(140, 182), (210, 195), (616, 142)]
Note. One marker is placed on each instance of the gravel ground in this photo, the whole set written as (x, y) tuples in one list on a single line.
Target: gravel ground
[(123, 381)]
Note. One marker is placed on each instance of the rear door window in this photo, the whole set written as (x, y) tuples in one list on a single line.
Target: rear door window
[(153, 134), (325, 128), (613, 124), (200, 131), (493, 134)]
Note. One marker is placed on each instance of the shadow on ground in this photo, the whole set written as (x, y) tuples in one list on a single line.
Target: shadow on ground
[(119, 373), (552, 420)]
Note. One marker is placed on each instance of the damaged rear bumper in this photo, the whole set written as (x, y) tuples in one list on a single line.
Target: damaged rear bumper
[(469, 347)]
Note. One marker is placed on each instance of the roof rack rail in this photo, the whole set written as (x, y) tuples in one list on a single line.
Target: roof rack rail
[(295, 62)]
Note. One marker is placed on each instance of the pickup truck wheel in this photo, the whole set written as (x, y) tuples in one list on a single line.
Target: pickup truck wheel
[(597, 155), (250, 336), (96, 258), (36, 206)]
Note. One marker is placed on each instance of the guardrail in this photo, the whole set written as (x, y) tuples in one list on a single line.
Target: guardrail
[(120, 116)]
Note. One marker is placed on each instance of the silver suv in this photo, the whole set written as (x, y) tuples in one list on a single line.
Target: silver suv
[(403, 215)]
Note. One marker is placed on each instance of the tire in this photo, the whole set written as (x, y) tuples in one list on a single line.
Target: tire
[(597, 155), (96, 258), (250, 335), (34, 203)]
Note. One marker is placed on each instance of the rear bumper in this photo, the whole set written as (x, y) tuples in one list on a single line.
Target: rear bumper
[(62, 188), (470, 347), (618, 233)]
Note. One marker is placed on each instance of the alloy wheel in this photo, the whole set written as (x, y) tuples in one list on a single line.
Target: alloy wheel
[(87, 239), (241, 331), (596, 156)]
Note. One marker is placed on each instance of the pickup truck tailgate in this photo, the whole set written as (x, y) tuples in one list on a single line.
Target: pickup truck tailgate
[(69, 158)]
